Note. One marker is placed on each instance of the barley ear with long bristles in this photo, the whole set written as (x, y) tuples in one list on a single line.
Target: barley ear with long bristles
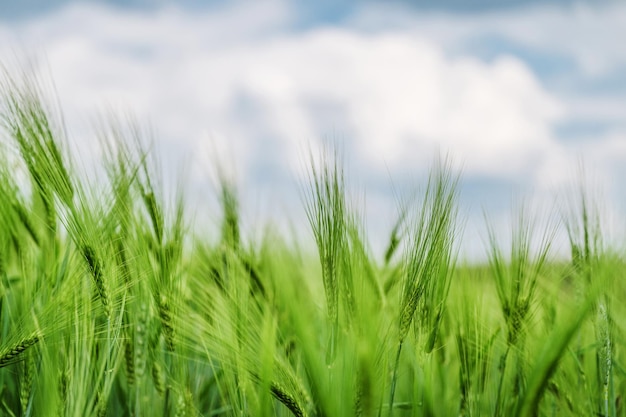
[(94, 262), (589, 259), (326, 211), (12, 354), (428, 260)]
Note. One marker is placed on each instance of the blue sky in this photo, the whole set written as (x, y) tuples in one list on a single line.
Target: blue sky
[(517, 92)]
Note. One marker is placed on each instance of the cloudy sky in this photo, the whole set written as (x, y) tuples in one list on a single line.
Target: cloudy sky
[(517, 92)]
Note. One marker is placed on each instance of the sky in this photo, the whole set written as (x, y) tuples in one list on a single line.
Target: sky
[(517, 93)]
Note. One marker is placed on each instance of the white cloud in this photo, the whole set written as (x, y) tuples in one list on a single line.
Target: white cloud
[(396, 94), (588, 33), (243, 81)]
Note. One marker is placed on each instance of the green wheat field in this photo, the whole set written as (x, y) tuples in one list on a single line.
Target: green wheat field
[(112, 305)]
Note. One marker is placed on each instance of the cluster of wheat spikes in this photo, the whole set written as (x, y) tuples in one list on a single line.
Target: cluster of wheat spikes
[(111, 306)]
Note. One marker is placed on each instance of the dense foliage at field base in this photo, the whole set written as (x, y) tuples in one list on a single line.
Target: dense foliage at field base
[(111, 306)]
